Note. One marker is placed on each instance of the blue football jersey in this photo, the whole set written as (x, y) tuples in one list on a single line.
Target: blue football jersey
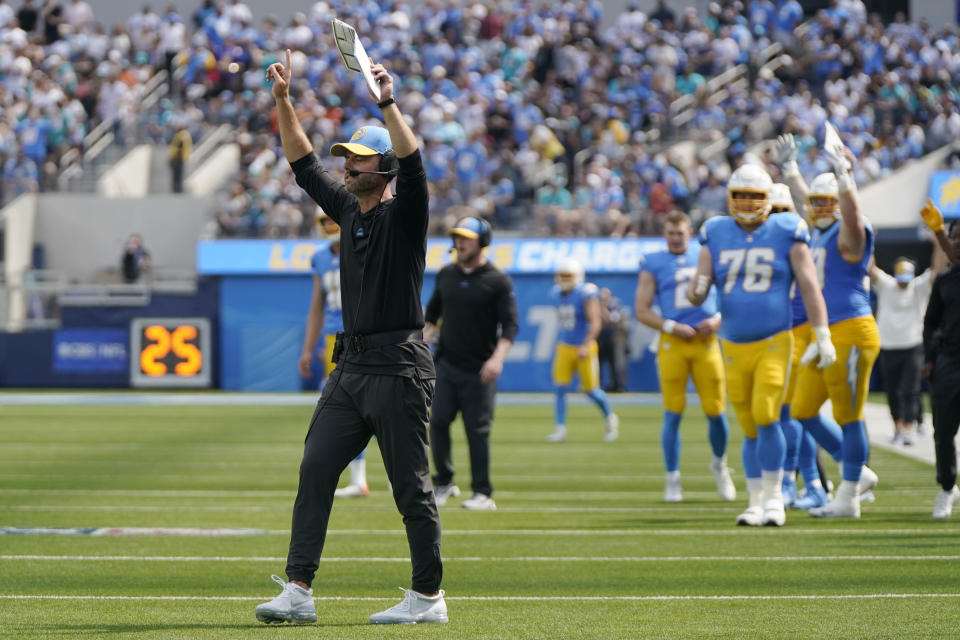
[(571, 316), (753, 274), (845, 289), (326, 266), (673, 273)]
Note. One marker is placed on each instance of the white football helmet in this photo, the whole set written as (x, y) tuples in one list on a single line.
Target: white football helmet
[(751, 184), (826, 210), (780, 199), (569, 274)]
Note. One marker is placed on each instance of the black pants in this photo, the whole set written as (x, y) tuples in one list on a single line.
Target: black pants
[(901, 376), (462, 391), (353, 408), (945, 394)]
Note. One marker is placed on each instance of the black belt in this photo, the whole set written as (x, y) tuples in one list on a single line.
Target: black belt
[(360, 343)]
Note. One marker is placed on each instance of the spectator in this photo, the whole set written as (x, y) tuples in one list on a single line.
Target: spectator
[(179, 156), (612, 340), (135, 262)]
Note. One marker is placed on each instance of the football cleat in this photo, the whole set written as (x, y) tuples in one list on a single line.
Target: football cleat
[(945, 501), (415, 607), (868, 479), (352, 491), (846, 504), (774, 514), (752, 517), (721, 475), (612, 428), (560, 435), (673, 490), (813, 497), (294, 604)]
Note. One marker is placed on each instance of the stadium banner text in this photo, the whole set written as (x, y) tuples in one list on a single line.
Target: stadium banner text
[(514, 256)]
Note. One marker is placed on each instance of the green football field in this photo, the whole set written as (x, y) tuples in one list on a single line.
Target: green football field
[(581, 546)]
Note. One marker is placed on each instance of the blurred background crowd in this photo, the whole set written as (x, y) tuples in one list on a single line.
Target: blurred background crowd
[(532, 114)]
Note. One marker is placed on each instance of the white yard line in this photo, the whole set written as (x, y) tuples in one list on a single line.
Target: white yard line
[(550, 559)]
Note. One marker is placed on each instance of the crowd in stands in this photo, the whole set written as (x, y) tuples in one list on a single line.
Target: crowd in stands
[(534, 115)]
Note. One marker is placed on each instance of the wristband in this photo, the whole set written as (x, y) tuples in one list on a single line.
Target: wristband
[(668, 326), (386, 103)]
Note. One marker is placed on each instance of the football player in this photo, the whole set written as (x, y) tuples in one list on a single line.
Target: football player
[(578, 316), (842, 247), (754, 259), (326, 316), (688, 348)]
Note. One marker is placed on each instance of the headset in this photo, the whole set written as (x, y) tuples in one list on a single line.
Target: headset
[(389, 165), (485, 232)]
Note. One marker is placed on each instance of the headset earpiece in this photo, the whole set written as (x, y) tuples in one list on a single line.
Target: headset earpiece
[(389, 163)]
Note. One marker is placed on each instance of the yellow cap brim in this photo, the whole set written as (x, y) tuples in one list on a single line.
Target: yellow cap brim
[(341, 149), (465, 233)]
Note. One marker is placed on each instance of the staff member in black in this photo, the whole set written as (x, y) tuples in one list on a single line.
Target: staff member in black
[(384, 379), (479, 312), (941, 343)]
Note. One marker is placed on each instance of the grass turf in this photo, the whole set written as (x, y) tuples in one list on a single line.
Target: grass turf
[(582, 545)]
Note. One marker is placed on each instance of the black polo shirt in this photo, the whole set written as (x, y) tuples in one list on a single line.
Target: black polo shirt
[(478, 308), (382, 258), (941, 325)]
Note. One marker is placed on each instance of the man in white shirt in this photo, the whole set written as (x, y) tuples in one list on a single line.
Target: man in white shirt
[(901, 303)]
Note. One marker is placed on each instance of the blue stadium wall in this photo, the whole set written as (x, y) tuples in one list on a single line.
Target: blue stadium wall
[(265, 289)]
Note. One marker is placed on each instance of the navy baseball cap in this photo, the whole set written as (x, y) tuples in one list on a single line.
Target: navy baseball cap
[(365, 141)]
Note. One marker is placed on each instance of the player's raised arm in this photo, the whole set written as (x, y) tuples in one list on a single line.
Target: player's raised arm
[(933, 218), (852, 239), (790, 172), (295, 142), (703, 278)]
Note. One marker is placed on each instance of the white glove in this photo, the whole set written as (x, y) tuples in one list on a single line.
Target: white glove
[(822, 347), (841, 167), (787, 155)]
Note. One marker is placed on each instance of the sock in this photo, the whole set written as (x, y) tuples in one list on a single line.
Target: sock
[(854, 449), (755, 492), (751, 463), (771, 447), (560, 406), (807, 460), (826, 432), (600, 399), (358, 470), (772, 482), (670, 440), (792, 432), (717, 432)]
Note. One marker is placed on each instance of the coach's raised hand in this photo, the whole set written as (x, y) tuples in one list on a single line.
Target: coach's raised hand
[(279, 75)]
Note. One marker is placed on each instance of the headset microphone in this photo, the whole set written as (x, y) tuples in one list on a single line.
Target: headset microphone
[(354, 173)]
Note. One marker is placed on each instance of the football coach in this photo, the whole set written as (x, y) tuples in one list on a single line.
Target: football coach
[(475, 307)]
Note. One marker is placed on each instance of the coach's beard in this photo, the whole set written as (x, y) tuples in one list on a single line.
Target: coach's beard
[(365, 184)]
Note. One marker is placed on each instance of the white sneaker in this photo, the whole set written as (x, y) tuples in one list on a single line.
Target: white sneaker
[(774, 514), (673, 490), (945, 502), (352, 491), (445, 491), (721, 474), (613, 428), (415, 607), (846, 504), (752, 517), (560, 435), (479, 502), (868, 479), (294, 604)]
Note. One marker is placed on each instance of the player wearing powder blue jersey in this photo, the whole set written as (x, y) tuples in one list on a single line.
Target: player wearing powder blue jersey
[(842, 250), (754, 260), (578, 316), (326, 318), (688, 348)]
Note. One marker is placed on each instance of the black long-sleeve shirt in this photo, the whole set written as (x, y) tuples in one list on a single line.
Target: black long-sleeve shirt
[(478, 308), (382, 258), (941, 325)]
